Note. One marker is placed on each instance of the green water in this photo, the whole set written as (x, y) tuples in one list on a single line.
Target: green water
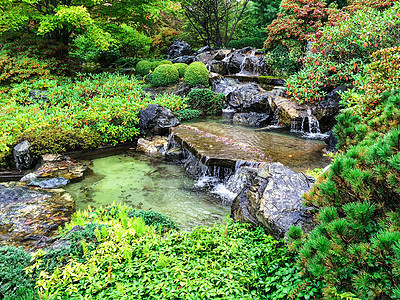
[(148, 183)]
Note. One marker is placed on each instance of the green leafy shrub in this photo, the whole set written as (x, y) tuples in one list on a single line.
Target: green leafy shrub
[(339, 53), (127, 258), (197, 73), (282, 62), (143, 67), (14, 283), (165, 75), (181, 67), (126, 62), (85, 49), (96, 109), (206, 101), (187, 114), (355, 247), (255, 42)]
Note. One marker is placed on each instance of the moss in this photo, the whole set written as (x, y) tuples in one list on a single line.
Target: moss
[(197, 73)]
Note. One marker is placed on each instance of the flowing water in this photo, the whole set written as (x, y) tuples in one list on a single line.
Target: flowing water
[(145, 182), (148, 183)]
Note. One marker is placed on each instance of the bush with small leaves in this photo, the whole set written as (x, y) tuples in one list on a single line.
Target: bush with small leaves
[(181, 69), (206, 101), (197, 73), (165, 75), (143, 67)]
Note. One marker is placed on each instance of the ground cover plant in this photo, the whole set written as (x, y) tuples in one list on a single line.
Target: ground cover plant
[(119, 253), (77, 114)]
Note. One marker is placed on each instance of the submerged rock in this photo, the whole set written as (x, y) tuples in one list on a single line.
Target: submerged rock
[(272, 198), (23, 156), (156, 120), (30, 217)]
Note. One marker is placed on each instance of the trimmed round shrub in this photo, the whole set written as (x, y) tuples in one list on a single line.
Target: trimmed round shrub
[(165, 75), (157, 63), (196, 73), (181, 69), (143, 67)]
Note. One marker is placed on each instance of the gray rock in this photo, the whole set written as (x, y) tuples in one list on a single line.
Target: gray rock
[(273, 199), (186, 59), (179, 48), (225, 86), (235, 63), (203, 49), (252, 119), (249, 97), (331, 142), (218, 66), (156, 120), (23, 157), (38, 95), (49, 183)]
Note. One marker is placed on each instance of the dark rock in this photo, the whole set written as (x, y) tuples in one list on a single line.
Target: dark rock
[(23, 157), (328, 108), (38, 95), (29, 217), (273, 199), (235, 63), (65, 242), (156, 120), (331, 142), (174, 154), (203, 49), (252, 119), (186, 59), (245, 50), (179, 48), (217, 66), (50, 183), (126, 71), (225, 86), (249, 97)]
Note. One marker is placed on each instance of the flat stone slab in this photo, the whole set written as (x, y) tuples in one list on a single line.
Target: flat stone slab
[(212, 149), (226, 145)]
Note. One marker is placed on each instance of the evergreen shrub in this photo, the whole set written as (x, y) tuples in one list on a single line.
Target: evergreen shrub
[(143, 67), (206, 101), (165, 75), (355, 249), (255, 42), (181, 69), (197, 73)]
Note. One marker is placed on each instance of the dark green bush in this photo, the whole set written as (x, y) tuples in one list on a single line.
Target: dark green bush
[(126, 62), (255, 42), (197, 73), (143, 67), (206, 101), (14, 283), (181, 69), (187, 114), (165, 75), (281, 62)]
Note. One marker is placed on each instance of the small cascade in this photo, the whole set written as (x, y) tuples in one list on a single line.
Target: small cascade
[(250, 66), (308, 126), (276, 122)]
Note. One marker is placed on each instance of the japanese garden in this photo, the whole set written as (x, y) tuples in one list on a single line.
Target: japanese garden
[(213, 149)]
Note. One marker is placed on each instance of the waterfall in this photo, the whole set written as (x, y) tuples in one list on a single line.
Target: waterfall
[(307, 125)]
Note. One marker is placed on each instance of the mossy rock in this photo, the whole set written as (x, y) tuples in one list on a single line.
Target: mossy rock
[(197, 73), (143, 67), (165, 75), (181, 69)]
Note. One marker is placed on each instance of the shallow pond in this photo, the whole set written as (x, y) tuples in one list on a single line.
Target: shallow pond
[(145, 182)]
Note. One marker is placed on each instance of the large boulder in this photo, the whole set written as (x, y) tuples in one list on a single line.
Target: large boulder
[(23, 156), (252, 119), (179, 48), (156, 120), (186, 59), (235, 63), (328, 108), (272, 199), (249, 97)]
